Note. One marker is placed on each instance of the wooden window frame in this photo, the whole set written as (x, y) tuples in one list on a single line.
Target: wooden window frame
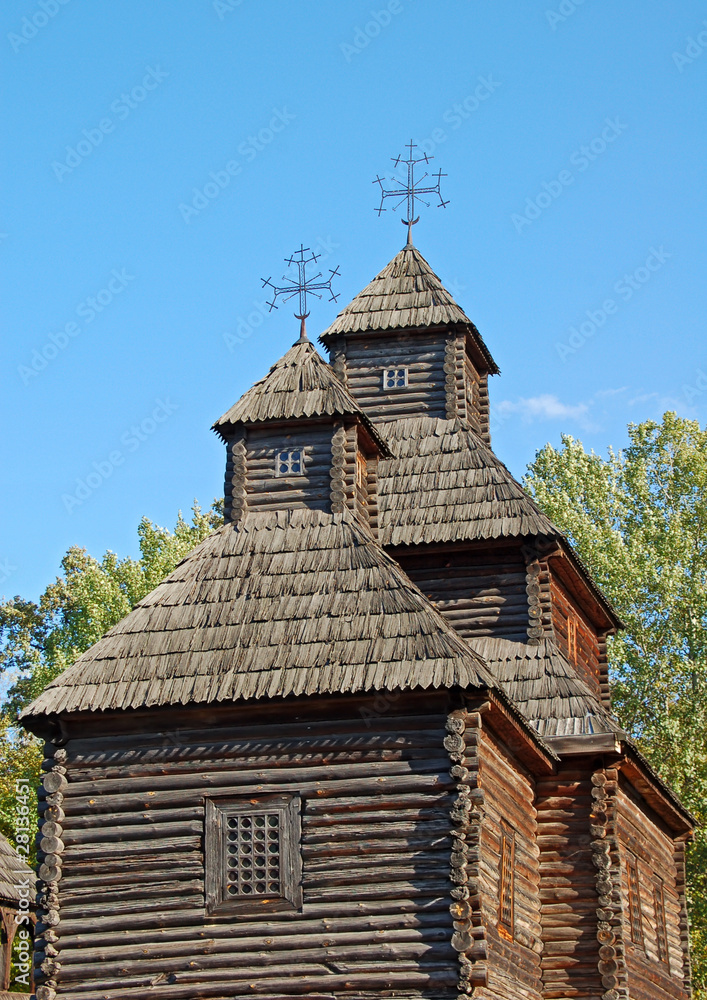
[(217, 813), (394, 373), (661, 926), (635, 910), (572, 639), (288, 473), (506, 882)]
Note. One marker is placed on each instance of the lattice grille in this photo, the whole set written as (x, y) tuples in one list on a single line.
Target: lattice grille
[(254, 854), (395, 378)]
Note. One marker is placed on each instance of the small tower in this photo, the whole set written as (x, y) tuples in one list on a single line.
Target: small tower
[(298, 439)]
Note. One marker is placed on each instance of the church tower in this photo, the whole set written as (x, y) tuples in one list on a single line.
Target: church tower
[(359, 743)]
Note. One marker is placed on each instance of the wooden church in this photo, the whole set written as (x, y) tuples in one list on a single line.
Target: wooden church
[(359, 744)]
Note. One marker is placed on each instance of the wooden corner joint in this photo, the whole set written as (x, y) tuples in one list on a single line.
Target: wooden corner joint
[(605, 858), (51, 847), (466, 814)]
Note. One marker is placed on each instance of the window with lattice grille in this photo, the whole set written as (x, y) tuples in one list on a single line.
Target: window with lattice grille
[(661, 930), (395, 378), (506, 902), (634, 901), (289, 462), (253, 854)]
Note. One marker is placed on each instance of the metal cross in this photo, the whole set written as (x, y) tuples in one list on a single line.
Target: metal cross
[(411, 190), (302, 285)]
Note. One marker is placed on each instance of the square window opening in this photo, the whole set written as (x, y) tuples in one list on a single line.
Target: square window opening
[(395, 378), (289, 462), (253, 859)]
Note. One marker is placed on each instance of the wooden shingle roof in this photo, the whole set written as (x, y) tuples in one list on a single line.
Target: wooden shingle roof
[(13, 871), (285, 603), (443, 484), (406, 294), (300, 385), (546, 687)]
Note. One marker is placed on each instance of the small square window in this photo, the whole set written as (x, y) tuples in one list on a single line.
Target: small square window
[(289, 462), (395, 378), (253, 854)]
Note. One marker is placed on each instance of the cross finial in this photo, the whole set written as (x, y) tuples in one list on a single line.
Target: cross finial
[(302, 285), (411, 190)]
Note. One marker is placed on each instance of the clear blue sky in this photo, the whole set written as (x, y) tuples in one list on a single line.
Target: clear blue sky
[(116, 114)]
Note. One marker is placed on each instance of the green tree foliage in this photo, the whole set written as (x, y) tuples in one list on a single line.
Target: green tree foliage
[(639, 520), (39, 640)]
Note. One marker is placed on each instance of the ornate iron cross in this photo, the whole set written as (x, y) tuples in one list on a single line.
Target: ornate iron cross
[(411, 190), (302, 286)]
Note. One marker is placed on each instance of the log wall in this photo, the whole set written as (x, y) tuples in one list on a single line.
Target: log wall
[(655, 967), (128, 912), (478, 592), (266, 491), (424, 355), (568, 885), (514, 969)]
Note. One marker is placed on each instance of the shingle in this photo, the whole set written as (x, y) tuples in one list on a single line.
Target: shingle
[(286, 600), (406, 294), (443, 483), (545, 687)]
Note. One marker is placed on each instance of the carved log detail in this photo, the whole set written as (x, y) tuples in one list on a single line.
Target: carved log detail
[(235, 489), (466, 815), (451, 372), (50, 849), (537, 588), (337, 349), (338, 469), (606, 860), (679, 855)]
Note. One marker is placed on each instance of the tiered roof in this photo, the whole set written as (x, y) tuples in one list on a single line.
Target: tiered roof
[(301, 602)]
